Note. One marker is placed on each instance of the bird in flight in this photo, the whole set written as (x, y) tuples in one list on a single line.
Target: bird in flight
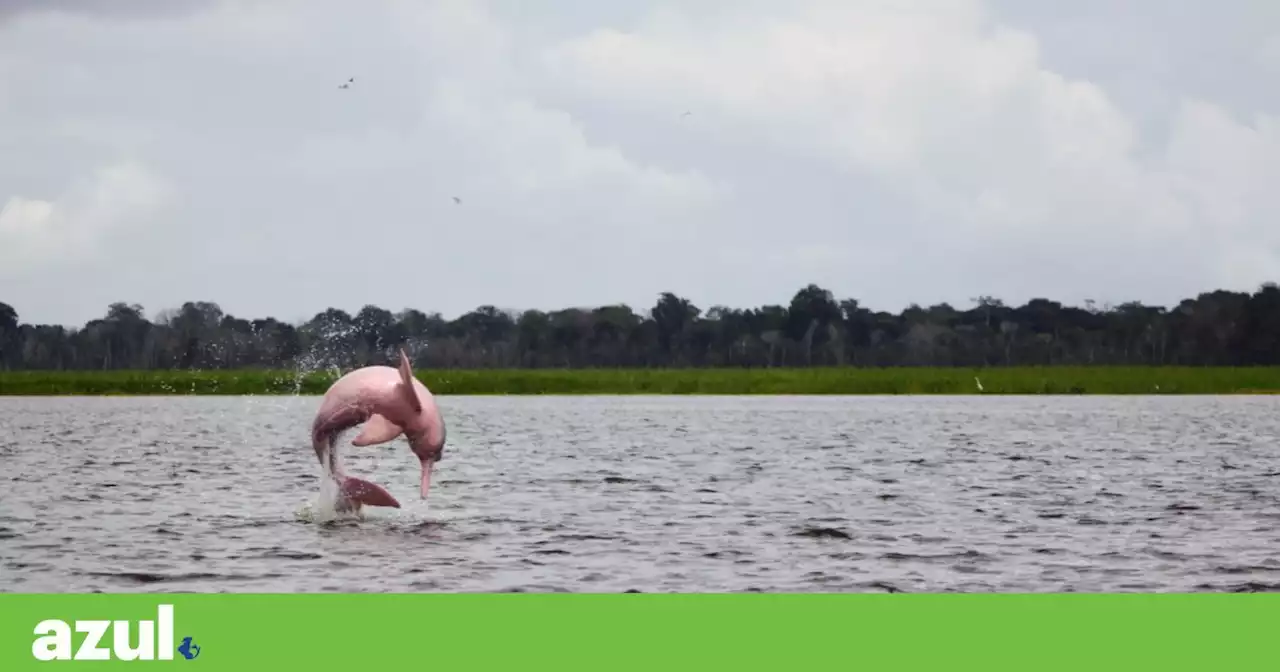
[(457, 200), (347, 84), (686, 114)]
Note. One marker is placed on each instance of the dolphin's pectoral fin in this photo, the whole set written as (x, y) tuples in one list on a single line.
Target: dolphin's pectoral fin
[(369, 494), (377, 429)]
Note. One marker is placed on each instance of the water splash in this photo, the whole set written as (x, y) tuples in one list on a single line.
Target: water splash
[(321, 509)]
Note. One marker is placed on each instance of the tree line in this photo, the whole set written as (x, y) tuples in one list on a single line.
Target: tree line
[(1218, 328)]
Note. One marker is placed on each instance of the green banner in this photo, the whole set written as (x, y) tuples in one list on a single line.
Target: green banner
[(777, 632)]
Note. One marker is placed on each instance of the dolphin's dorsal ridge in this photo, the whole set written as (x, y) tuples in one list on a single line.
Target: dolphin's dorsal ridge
[(406, 383)]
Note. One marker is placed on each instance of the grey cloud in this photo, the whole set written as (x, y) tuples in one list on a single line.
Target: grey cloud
[(129, 9), (581, 183)]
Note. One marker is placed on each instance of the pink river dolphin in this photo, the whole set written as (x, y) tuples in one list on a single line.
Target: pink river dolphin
[(390, 402)]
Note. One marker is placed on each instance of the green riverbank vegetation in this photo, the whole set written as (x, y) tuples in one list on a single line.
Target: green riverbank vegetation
[(788, 381), (1217, 342)]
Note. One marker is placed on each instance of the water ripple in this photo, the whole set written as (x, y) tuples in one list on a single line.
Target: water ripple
[(645, 494)]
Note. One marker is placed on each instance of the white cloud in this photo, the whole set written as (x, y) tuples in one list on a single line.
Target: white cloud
[(46, 236), (1228, 172), (1006, 160)]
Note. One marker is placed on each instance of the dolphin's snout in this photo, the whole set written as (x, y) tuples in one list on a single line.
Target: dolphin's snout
[(427, 465)]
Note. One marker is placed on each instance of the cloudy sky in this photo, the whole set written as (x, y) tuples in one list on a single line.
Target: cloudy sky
[(896, 151)]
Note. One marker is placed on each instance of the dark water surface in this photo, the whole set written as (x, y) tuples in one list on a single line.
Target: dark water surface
[(653, 494)]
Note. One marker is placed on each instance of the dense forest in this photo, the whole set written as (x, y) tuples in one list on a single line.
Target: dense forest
[(816, 329)]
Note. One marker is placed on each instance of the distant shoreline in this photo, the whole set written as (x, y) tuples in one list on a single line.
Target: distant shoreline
[(1064, 380)]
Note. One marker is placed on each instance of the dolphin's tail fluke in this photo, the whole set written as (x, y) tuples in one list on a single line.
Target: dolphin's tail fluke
[(366, 493)]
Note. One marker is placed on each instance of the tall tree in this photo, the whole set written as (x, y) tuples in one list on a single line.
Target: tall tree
[(815, 328)]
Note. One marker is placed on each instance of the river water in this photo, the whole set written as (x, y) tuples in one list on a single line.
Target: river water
[(687, 494)]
